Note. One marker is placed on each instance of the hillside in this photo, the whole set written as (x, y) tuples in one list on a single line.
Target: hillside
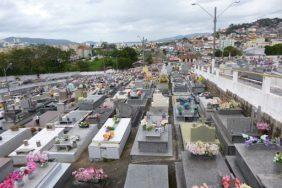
[(261, 23), (29, 41), (181, 37)]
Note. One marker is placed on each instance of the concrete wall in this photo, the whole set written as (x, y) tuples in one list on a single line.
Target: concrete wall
[(270, 103)]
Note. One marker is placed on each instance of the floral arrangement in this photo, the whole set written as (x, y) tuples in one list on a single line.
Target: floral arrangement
[(180, 109), (89, 175), (31, 166), (278, 158), (40, 158), (226, 182), (7, 183), (214, 103), (149, 127), (200, 148), (116, 120), (251, 140), (163, 78), (133, 93), (110, 128), (146, 126), (65, 137), (244, 186), (164, 122), (263, 126), (81, 99), (206, 95), (108, 135), (201, 80), (229, 105), (83, 125), (18, 175)]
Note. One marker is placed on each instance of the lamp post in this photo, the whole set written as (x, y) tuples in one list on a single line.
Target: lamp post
[(5, 74), (214, 16), (143, 40), (116, 64)]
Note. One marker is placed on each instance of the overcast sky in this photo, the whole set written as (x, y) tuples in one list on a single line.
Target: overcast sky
[(122, 20)]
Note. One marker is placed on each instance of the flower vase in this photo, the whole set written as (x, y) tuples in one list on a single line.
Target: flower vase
[(203, 157), (86, 184), (262, 132), (180, 112), (31, 175), (20, 183), (81, 184), (95, 181)]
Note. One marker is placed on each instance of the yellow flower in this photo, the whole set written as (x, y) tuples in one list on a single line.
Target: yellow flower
[(244, 186)]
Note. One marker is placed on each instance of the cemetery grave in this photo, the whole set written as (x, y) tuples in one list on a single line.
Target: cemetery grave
[(12, 139), (229, 129), (134, 134), (110, 140)]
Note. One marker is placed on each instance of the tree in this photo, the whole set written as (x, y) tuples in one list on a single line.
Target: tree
[(124, 63), (273, 50), (218, 53), (36, 60), (129, 53), (149, 59), (83, 65), (232, 51)]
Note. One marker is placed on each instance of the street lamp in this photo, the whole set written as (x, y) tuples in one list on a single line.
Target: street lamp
[(5, 74), (214, 16), (143, 40)]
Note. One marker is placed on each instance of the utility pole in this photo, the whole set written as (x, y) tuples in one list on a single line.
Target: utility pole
[(143, 46), (5, 74), (116, 64), (143, 40), (214, 33), (215, 16)]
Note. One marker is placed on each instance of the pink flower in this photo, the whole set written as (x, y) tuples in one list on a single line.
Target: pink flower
[(225, 181), (17, 175), (31, 165), (89, 174), (7, 183), (237, 183), (41, 157), (200, 148), (263, 126)]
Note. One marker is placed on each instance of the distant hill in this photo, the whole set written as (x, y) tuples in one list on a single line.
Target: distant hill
[(90, 42), (181, 37), (29, 41), (261, 23)]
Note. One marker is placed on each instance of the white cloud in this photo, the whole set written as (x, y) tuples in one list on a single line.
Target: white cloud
[(122, 20)]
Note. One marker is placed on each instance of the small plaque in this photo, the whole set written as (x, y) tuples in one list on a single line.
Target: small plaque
[(38, 143)]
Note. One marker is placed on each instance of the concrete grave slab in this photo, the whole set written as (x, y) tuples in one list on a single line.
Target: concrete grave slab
[(147, 176)]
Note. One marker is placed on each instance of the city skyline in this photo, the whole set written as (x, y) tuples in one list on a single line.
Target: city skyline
[(112, 21)]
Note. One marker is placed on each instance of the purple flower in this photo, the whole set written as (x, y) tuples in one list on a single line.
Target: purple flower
[(251, 140), (248, 142)]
